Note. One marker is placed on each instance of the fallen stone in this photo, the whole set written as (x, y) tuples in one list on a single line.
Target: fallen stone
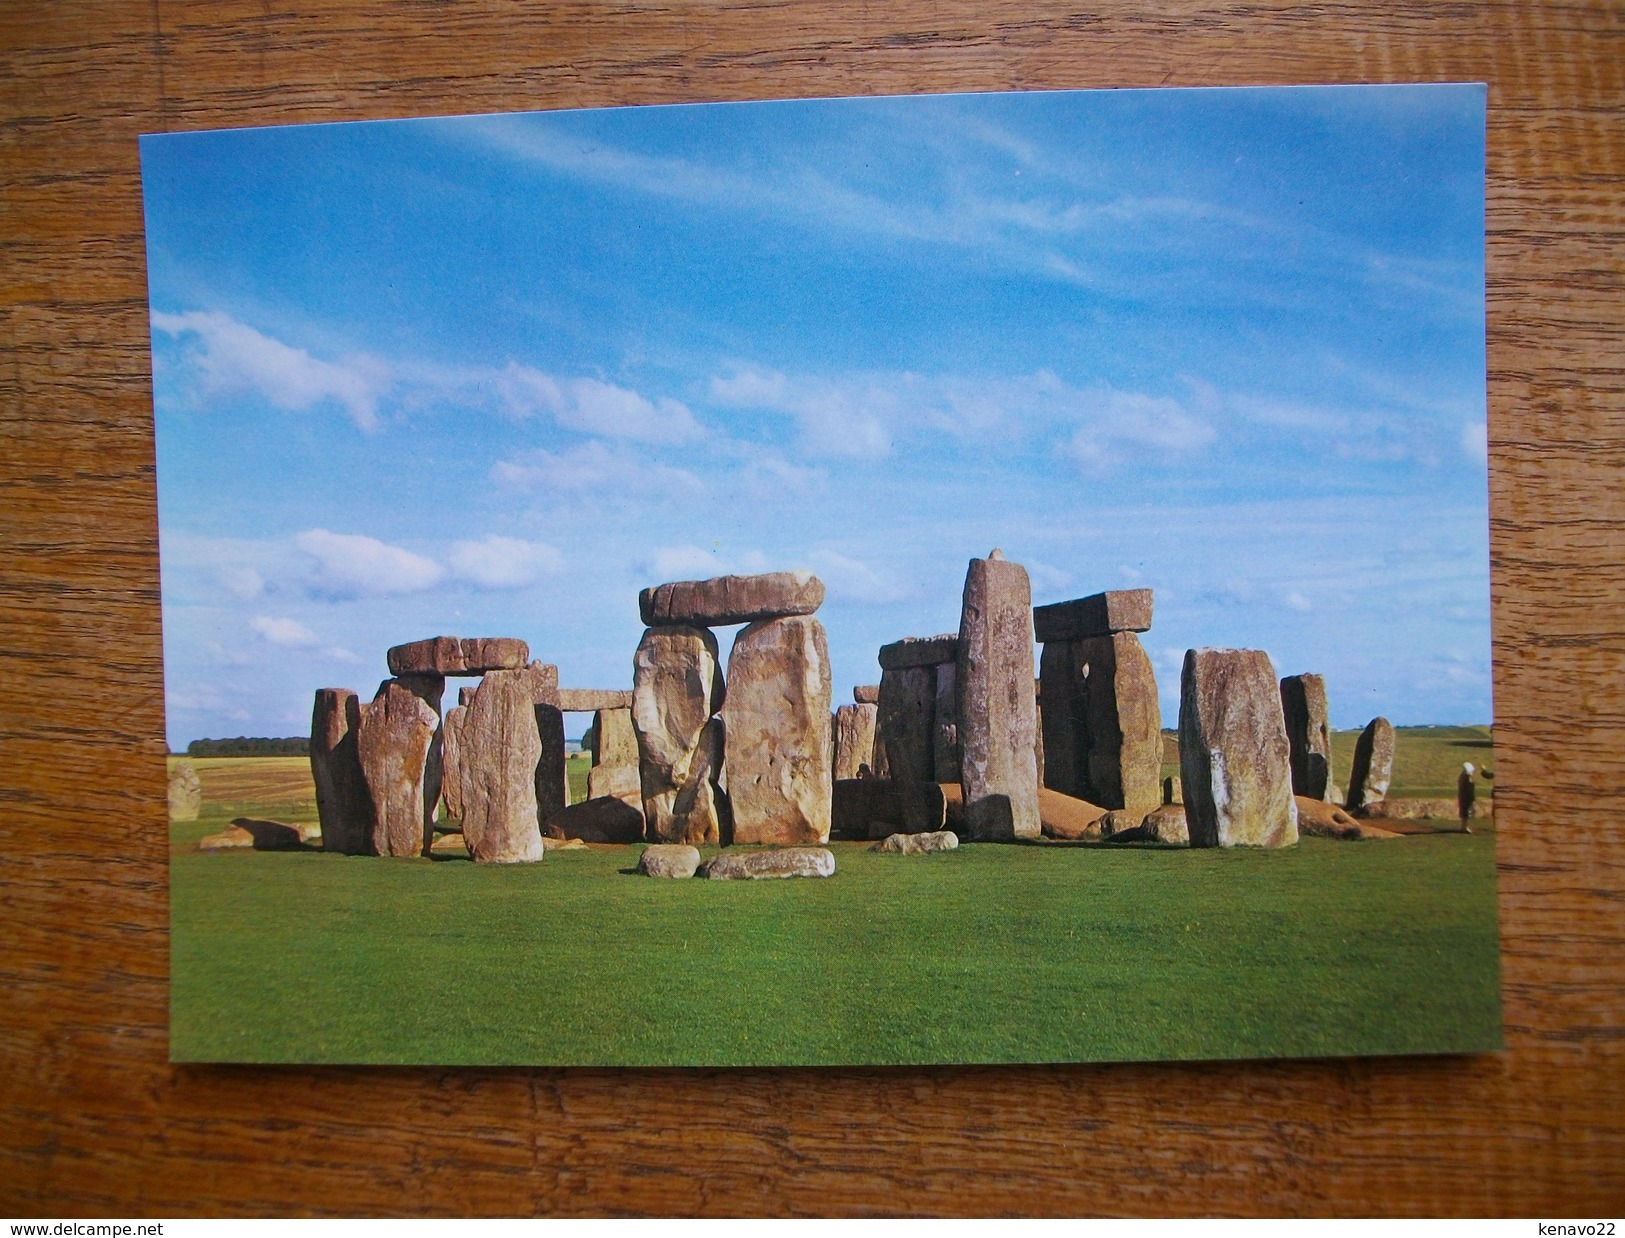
[(1167, 825), (268, 835), (602, 820), (499, 748), (904, 724), (1103, 722), (592, 700), (614, 740), (1068, 817), (779, 862), (230, 838), (945, 760), (616, 781), (776, 722), (676, 687), (449, 844), (1117, 610), (866, 694), (669, 860), (562, 844), (916, 651), (1308, 735), (447, 655), (186, 792), (1319, 819), (1406, 809), (400, 762), (1235, 770), (854, 739), (998, 707), (1373, 765), (857, 802), (342, 800), (728, 600), (917, 844)]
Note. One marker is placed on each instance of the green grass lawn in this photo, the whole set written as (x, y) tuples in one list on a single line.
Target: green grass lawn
[(987, 954)]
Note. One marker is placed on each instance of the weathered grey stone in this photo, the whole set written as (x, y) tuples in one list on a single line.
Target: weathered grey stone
[(924, 806), (428, 688), (229, 839), (1171, 793), (614, 741), (619, 781), (854, 739), (1068, 817), (550, 779), (1102, 722), (562, 844), (451, 761), (669, 860), (945, 763), (603, 819), (186, 789), (727, 600), (447, 655), (917, 844), (1235, 770), (269, 835), (904, 723), (1167, 825), (543, 678), (779, 862), (1308, 734), (866, 694), (499, 750), (777, 722), (1393, 808), (1373, 765), (400, 762), (1117, 610), (1323, 820), (913, 651), (856, 803), (465, 695), (677, 686), (592, 700), (998, 709)]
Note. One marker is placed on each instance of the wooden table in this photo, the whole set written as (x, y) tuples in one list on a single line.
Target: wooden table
[(92, 1117)]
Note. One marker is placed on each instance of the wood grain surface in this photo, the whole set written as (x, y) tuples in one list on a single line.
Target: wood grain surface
[(93, 1119)]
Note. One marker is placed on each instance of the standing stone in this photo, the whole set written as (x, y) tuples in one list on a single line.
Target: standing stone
[(777, 720), (1309, 732), (1171, 792), (676, 687), (854, 738), (550, 781), (617, 782), (998, 707), (1373, 765), (451, 760), (904, 722), (1235, 763), (614, 741), (342, 802), (727, 600), (428, 688), (400, 764), (1102, 721), (186, 789), (499, 749), (945, 762)]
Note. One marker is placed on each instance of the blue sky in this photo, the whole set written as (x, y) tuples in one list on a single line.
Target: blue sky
[(492, 375)]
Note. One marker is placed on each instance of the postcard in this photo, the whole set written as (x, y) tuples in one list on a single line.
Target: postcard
[(941, 579)]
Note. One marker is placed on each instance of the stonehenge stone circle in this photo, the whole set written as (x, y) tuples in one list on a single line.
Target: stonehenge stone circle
[(998, 706), (1102, 721), (342, 803), (1373, 765), (447, 655), (904, 723), (673, 860), (776, 721), (186, 792), (727, 600), (779, 862), (854, 739), (400, 763), (1235, 767), (1309, 732), (676, 688), (1117, 610), (499, 748), (866, 694)]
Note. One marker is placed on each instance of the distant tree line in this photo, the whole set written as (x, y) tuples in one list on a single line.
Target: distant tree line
[(243, 746)]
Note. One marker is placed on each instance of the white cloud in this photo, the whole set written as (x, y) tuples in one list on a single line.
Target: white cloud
[(594, 467), (1295, 600), (1475, 441), (288, 633), (353, 565), (243, 582), (851, 416), (503, 562), (617, 412), (852, 580), (236, 359), (1113, 420), (686, 563)]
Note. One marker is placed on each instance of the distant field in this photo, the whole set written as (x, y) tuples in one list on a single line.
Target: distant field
[(991, 953)]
